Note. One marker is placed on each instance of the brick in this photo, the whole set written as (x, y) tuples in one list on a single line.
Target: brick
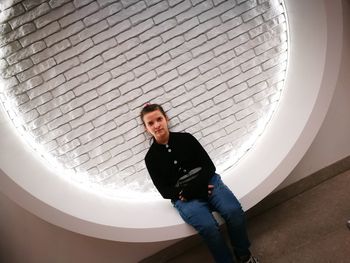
[(250, 92), (151, 65), (164, 48), (12, 12), (120, 49), (229, 45), (183, 97), (149, 12), (217, 61), (240, 60), (79, 101), (102, 14), (89, 32), (174, 63), (138, 82), (81, 3), (27, 85), (115, 83), (64, 33), (9, 83), (3, 64), (245, 27), (110, 115), (8, 3), (74, 51), (29, 15), (216, 11), (276, 41), (112, 32), (54, 15), (201, 79), (111, 64), (224, 27), (55, 103), (29, 116), (209, 45), (143, 48), (273, 12), (245, 76), (47, 86), (102, 100), (66, 118), (5, 28), (193, 74), (78, 14), (35, 70), (93, 84), (34, 103), (267, 74), (187, 46), (136, 30), (40, 34), (152, 2), (194, 11), (210, 94), (159, 82), (97, 49), (256, 11), (186, 26), (44, 119), (157, 30), (88, 116), (17, 34), (83, 67), (68, 147), (126, 13), (30, 4), (70, 164), (16, 68), (26, 52), (171, 12), (153, 95), (57, 3), (61, 68), (126, 127), (70, 85), (97, 132), (231, 92), (9, 49), (196, 62), (50, 52)]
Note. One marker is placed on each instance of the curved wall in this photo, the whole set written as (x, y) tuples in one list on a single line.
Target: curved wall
[(70, 207)]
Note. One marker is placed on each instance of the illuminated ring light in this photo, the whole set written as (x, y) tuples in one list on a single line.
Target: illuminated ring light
[(315, 53)]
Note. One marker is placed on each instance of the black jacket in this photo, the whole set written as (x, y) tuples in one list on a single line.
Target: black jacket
[(167, 163)]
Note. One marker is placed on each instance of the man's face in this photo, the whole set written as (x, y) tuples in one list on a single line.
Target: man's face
[(157, 125)]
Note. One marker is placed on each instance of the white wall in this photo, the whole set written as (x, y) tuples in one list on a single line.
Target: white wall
[(332, 142), (26, 238)]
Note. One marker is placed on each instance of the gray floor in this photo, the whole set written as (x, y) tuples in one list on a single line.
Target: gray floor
[(308, 228)]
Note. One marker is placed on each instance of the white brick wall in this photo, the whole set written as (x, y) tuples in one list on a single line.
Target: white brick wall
[(75, 75)]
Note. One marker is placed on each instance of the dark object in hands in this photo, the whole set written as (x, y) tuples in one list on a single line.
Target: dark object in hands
[(194, 184)]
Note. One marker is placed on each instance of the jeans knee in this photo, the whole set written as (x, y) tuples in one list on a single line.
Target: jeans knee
[(235, 215), (208, 229)]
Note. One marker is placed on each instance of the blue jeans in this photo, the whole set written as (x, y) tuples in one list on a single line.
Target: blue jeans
[(198, 213)]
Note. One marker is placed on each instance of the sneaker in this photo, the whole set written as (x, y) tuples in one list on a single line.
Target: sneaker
[(251, 260)]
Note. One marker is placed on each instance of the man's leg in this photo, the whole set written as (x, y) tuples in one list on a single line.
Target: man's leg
[(226, 204), (198, 214)]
